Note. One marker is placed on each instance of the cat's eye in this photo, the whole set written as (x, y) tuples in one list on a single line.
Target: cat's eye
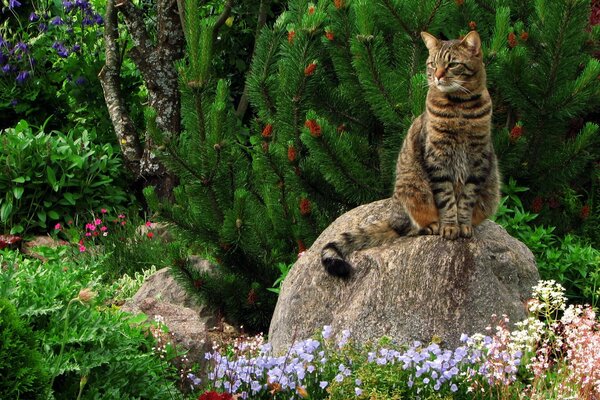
[(454, 65)]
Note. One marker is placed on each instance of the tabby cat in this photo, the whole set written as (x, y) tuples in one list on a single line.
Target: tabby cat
[(446, 175)]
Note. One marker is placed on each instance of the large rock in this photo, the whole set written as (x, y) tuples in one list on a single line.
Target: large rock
[(416, 288)]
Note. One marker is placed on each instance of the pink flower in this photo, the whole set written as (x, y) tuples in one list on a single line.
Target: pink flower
[(88, 234), (90, 227), (148, 224), (97, 221), (103, 211), (57, 226), (121, 216), (103, 228), (123, 223), (81, 248)]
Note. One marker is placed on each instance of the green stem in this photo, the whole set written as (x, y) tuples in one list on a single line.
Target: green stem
[(62, 345)]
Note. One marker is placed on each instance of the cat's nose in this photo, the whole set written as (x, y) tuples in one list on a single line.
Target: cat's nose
[(440, 72)]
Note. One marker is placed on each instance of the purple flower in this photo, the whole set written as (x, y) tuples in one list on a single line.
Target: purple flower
[(68, 5), (22, 77), (80, 81), (13, 4), (83, 4), (33, 17), (56, 21), (21, 47), (6, 68), (76, 47), (14, 102), (42, 27), (60, 49), (98, 19)]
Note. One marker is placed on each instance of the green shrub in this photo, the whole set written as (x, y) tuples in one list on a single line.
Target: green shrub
[(45, 176), (90, 349), (568, 260), (24, 374)]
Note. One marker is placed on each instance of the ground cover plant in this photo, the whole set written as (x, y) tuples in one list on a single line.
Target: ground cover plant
[(77, 346), (554, 354)]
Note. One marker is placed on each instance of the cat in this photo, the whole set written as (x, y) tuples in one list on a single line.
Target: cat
[(447, 178)]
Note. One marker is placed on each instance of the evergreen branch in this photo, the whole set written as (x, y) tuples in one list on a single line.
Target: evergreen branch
[(333, 110), (431, 16), (486, 6), (197, 93), (379, 82), (264, 7), (388, 4), (172, 151)]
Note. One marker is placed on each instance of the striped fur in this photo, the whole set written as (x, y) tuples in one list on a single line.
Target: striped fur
[(447, 177)]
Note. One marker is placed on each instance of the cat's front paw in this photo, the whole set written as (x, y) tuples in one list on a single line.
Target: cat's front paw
[(449, 231), (466, 231)]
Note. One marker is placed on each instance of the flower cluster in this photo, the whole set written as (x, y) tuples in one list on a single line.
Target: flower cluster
[(17, 57)]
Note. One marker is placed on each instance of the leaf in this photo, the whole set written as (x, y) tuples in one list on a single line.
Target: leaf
[(5, 211), (20, 179), (18, 192), (42, 216), (70, 198), (53, 215), (16, 229), (52, 178)]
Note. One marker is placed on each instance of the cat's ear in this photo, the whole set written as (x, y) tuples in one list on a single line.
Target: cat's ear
[(430, 41), (472, 42)]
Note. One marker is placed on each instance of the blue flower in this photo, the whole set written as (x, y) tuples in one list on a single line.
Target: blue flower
[(6, 68), (68, 5), (13, 4), (76, 47), (80, 81), (56, 21), (14, 102), (22, 77), (33, 17), (21, 47), (42, 27), (98, 19)]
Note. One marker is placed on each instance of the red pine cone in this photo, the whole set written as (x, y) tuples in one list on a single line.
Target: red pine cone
[(291, 35), (313, 127), (524, 36), (252, 297), (339, 3), (585, 212), (310, 69), (311, 10), (291, 154), (267, 131), (329, 35), (305, 206), (512, 40), (515, 133), (472, 25)]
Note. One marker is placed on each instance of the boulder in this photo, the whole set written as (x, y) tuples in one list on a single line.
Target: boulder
[(415, 288), (188, 321)]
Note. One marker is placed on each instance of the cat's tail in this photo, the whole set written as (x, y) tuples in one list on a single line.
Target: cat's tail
[(334, 253)]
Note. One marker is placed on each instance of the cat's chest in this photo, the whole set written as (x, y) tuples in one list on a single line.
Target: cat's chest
[(455, 157)]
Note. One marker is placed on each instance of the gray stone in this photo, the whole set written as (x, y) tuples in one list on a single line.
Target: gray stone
[(416, 288), (187, 320)]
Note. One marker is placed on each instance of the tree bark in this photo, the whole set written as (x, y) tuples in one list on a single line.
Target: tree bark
[(156, 62)]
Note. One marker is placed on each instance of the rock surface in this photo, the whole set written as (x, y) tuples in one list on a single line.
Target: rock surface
[(189, 322), (416, 288)]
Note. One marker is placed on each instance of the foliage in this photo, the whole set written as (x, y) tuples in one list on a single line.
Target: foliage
[(119, 245), (127, 286), (24, 374), (543, 357), (47, 176), (51, 53), (89, 349), (568, 259)]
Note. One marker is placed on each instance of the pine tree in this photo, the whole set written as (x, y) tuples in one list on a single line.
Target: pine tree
[(334, 86)]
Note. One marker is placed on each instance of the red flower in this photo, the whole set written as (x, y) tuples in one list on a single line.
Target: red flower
[(524, 36), (512, 40), (291, 154), (338, 3), (215, 396), (291, 35), (472, 25), (329, 35), (305, 206), (313, 127), (585, 212), (537, 204), (267, 131), (515, 133), (150, 235), (310, 69)]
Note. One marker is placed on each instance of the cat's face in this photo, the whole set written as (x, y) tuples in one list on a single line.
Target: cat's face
[(456, 65)]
